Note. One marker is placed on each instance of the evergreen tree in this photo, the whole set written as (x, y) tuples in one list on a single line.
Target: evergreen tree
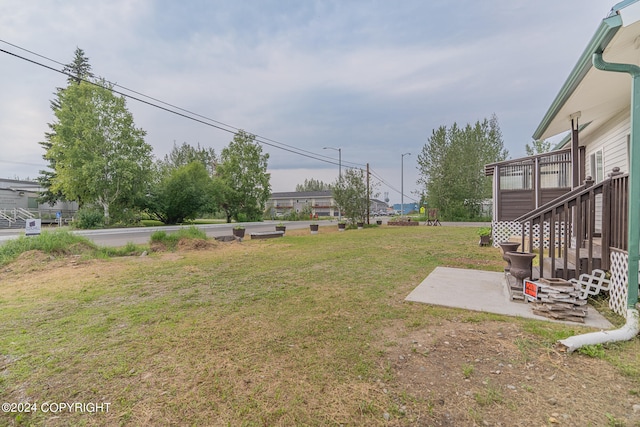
[(78, 69)]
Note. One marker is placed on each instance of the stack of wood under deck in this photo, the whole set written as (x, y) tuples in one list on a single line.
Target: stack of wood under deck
[(559, 299)]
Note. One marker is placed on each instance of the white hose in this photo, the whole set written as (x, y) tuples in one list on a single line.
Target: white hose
[(627, 332)]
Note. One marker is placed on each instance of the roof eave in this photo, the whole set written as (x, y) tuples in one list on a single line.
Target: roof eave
[(603, 35)]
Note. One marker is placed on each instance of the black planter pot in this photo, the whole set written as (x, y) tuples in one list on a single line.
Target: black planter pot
[(238, 232), (508, 247), (360, 225), (313, 228), (342, 226), (485, 240), (379, 222), (282, 228), (521, 264)]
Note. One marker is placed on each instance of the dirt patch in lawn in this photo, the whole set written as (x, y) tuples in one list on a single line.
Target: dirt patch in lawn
[(493, 373)]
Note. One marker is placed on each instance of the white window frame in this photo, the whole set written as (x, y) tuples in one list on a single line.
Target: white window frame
[(596, 160)]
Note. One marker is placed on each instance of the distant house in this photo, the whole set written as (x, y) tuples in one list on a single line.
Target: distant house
[(319, 203), (576, 198), (19, 201)]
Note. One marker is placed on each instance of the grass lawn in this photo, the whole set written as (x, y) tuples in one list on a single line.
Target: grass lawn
[(290, 331)]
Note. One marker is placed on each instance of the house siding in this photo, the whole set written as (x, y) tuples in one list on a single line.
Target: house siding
[(612, 140)]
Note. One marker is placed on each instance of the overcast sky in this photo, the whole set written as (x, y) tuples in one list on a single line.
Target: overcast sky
[(373, 78)]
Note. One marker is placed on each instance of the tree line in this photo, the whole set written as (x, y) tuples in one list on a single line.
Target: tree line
[(97, 157), (451, 166)]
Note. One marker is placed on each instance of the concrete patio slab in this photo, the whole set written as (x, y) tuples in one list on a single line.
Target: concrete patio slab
[(483, 291)]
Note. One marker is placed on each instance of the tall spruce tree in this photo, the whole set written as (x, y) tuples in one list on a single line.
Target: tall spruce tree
[(76, 71)]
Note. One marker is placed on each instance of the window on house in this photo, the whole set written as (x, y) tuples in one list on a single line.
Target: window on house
[(597, 170), (555, 170), (516, 177)]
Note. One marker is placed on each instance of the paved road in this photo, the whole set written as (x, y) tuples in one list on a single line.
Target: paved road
[(121, 236), (115, 237)]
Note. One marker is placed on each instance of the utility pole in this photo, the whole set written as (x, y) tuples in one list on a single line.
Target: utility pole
[(368, 195), (339, 150), (402, 182)]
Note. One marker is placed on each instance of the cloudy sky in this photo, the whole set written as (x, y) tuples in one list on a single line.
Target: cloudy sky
[(373, 78)]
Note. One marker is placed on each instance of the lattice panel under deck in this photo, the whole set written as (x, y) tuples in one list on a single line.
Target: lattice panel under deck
[(618, 292), (502, 231)]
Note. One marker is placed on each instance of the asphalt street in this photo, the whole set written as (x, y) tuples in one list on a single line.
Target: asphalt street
[(115, 237)]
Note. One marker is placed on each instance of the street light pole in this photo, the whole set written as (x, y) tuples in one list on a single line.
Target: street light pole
[(339, 150), (402, 182)]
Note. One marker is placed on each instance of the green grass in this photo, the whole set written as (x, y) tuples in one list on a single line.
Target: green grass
[(170, 240), (62, 243), (467, 370), (270, 332), (489, 395), (151, 222), (50, 242)]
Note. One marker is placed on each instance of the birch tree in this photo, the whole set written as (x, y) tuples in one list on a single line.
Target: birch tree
[(99, 156)]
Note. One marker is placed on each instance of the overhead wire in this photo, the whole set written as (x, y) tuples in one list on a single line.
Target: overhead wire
[(375, 175), (190, 115), (216, 124)]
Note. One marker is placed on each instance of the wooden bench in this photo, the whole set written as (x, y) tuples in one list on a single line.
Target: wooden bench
[(267, 235)]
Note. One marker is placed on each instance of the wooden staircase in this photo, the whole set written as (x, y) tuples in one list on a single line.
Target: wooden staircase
[(576, 232), (576, 257)]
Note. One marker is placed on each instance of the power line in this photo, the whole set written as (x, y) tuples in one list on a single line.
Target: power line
[(190, 115), (375, 175), (185, 113), (22, 163)]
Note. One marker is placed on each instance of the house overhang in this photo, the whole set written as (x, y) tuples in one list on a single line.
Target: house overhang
[(596, 95)]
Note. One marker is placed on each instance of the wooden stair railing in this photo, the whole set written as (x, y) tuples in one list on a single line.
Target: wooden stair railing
[(572, 220)]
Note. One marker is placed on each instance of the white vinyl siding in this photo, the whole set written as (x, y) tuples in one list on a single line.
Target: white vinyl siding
[(611, 139), (605, 149)]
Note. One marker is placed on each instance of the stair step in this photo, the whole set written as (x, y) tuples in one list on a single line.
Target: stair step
[(584, 256), (559, 269), (571, 267)]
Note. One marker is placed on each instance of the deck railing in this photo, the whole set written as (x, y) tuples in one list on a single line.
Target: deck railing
[(585, 214), (520, 185)]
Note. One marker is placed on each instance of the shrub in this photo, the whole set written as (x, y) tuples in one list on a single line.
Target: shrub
[(89, 218)]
